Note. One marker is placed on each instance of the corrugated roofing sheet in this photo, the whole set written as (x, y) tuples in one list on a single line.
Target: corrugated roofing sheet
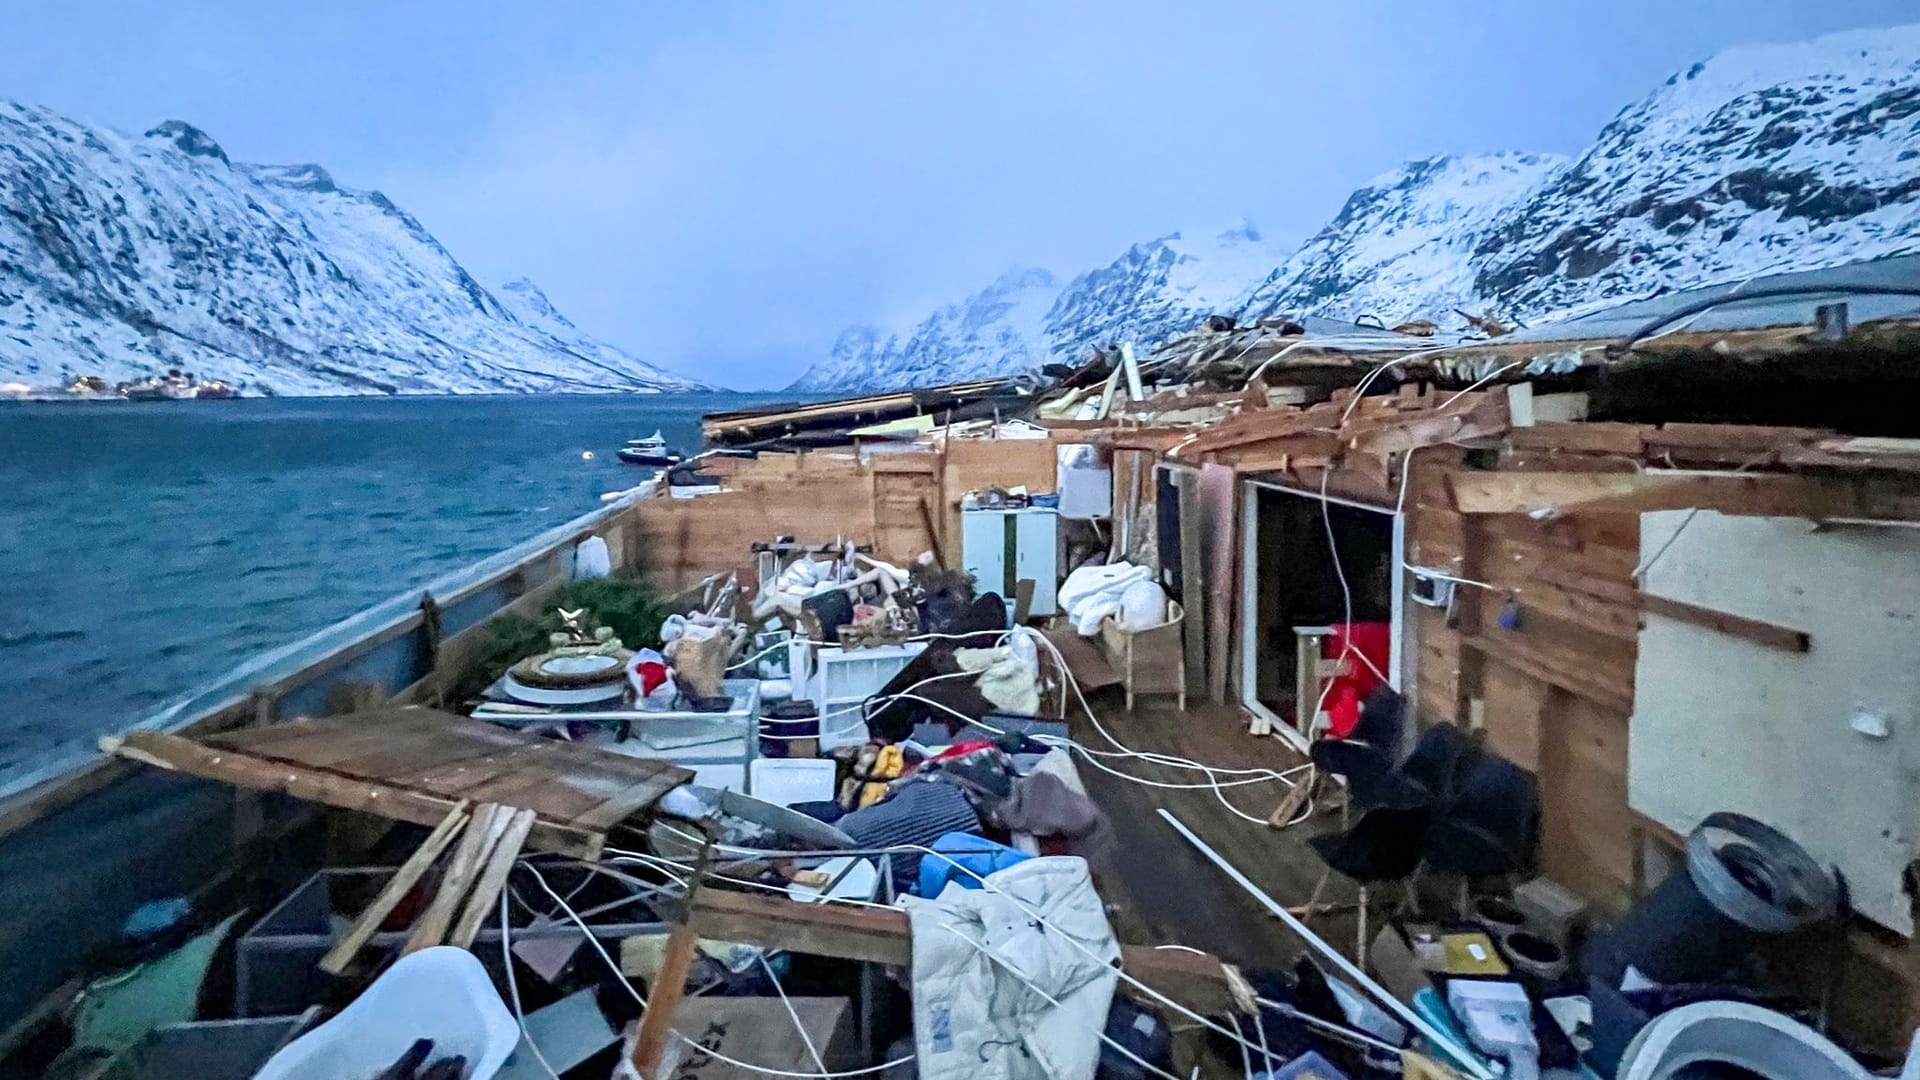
[(1753, 314)]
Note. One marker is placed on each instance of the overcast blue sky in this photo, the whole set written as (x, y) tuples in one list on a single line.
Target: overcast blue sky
[(723, 187)]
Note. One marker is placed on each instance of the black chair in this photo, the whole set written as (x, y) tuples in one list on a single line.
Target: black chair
[(1491, 824), (1451, 807)]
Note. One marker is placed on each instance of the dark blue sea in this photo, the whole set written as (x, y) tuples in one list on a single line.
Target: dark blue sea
[(146, 549)]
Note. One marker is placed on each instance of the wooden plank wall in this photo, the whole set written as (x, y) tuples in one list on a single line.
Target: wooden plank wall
[(1555, 694), (827, 495), (1547, 672)]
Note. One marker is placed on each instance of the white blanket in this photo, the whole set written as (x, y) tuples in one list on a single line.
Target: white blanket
[(983, 969), (1092, 593)]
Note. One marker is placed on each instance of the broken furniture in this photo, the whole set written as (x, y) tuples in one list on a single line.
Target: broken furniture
[(1149, 660), (1329, 690), (838, 680), (412, 764)]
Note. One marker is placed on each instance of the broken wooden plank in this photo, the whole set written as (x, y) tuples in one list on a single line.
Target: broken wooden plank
[(413, 764), (492, 879), (1760, 632), (1519, 654), (396, 889), (489, 822), (1745, 494), (1757, 631), (1748, 438), (1587, 437)]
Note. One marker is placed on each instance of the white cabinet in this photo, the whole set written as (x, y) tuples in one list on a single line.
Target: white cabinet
[(1000, 547)]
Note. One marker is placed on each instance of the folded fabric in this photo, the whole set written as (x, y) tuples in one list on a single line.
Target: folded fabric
[(1043, 805), (1092, 593), (1007, 679), (917, 812)]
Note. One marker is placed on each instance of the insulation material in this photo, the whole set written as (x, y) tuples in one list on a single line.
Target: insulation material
[(1821, 745)]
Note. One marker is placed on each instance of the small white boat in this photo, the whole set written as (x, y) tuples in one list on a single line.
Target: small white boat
[(651, 450)]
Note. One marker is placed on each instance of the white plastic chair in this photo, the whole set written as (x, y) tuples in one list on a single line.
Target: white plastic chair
[(440, 993)]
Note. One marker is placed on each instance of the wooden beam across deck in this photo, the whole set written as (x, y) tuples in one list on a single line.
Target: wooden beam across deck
[(1197, 981)]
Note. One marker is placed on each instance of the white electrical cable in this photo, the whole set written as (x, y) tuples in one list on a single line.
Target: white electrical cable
[(812, 1050), (1246, 1061), (956, 931), (1169, 761), (1400, 509), (717, 1055), (659, 862), (513, 989)]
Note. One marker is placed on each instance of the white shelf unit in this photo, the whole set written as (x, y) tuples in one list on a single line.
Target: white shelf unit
[(837, 679), (1000, 547)]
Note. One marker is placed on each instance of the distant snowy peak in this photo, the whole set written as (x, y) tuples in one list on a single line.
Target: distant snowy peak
[(996, 331), (1401, 244), (123, 257), (1026, 319), (1157, 289)]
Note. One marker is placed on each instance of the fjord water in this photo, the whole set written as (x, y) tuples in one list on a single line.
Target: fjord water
[(147, 548)]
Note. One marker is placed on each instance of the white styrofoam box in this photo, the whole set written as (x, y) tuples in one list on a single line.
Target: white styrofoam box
[(851, 675), (841, 725), (1085, 486), (732, 776), (786, 781)]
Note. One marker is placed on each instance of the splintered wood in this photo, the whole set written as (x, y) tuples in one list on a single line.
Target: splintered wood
[(416, 764)]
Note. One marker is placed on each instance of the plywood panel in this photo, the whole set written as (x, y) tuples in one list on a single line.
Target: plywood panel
[(1586, 828), (1513, 702), (1722, 723)]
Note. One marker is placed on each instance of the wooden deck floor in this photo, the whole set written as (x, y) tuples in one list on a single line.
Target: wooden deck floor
[(1160, 889)]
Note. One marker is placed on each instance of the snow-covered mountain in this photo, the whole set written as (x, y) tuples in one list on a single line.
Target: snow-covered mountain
[(1156, 290), (1409, 233), (122, 257), (1026, 319), (1764, 159), (998, 330)]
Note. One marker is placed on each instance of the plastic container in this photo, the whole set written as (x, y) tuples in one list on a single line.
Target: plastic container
[(441, 993), (975, 853), (785, 781), (839, 675)]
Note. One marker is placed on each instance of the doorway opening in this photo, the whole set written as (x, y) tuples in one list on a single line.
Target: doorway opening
[(1295, 639)]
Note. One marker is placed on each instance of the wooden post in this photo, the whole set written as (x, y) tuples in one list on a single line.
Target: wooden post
[(670, 983)]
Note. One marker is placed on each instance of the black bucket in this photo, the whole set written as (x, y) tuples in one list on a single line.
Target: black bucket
[(1741, 881)]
